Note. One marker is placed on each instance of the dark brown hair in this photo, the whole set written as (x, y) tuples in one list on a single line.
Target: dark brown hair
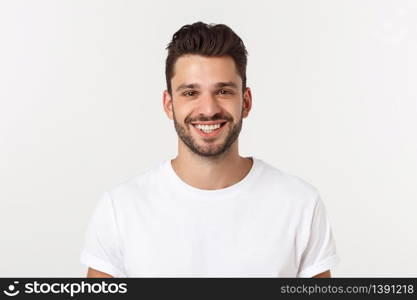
[(206, 40)]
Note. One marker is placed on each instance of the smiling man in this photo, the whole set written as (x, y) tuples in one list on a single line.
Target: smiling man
[(209, 212)]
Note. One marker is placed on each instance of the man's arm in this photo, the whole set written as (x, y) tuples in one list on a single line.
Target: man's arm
[(93, 273), (325, 274)]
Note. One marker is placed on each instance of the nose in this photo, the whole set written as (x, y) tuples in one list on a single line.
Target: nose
[(208, 105)]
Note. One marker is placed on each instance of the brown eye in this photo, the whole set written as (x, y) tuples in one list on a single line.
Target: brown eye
[(188, 93), (224, 92)]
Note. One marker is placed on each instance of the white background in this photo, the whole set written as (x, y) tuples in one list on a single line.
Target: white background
[(335, 102)]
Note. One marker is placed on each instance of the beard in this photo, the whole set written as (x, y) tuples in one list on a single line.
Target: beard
[(209, 148)]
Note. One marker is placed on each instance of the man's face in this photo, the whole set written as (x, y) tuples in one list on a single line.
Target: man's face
[(207, 106)]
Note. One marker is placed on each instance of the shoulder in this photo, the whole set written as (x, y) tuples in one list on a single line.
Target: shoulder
[(133, 186), (289, 186)]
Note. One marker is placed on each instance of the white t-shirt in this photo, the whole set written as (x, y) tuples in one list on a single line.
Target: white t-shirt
[(269, 224)]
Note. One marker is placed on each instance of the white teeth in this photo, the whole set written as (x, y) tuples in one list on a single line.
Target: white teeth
[(207, 128)]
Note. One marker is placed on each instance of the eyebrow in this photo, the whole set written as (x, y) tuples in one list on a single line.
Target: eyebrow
[(196, 85)]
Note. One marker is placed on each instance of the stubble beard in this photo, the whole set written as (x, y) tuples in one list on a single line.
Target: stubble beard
[(209, 149)]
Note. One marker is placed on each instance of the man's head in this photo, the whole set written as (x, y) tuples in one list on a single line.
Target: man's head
[(206, 92)]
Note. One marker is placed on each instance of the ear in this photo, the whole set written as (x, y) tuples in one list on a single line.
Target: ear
[(247, 102), (168, 103)]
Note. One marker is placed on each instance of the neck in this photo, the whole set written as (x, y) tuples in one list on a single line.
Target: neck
[(211, 173)]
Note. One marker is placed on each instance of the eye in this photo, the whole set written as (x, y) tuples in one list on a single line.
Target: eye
[(224, 92), (188, 93)]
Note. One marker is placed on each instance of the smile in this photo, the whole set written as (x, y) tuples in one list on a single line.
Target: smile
[(209, 130)]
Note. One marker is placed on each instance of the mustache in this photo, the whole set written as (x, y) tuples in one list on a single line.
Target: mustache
[(201, 118)]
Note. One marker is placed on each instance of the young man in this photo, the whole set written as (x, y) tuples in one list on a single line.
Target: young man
[(209, 212)]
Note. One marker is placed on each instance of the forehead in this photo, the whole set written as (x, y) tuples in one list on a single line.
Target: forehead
[(205, 70)]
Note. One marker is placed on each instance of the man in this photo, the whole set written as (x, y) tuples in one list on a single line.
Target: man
[(209, 212)]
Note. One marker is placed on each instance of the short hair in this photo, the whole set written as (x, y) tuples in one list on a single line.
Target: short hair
[(208, 40)]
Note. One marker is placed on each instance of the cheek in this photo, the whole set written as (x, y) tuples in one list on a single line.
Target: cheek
[(181, 111), (235, 111)]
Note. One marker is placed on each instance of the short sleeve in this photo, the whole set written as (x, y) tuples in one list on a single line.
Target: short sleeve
[(320, 253), (101, 245)]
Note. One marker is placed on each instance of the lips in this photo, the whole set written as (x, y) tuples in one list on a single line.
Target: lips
[(207, 126), (209, 122)]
